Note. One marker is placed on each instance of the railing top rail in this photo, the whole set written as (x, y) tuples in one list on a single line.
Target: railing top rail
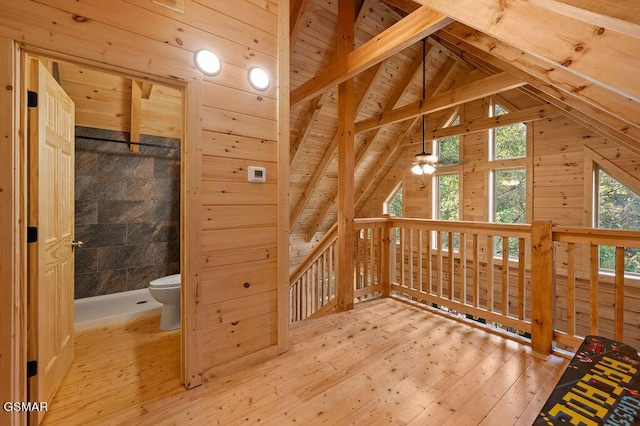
[(365, 220), (480, 228), (608, 237)]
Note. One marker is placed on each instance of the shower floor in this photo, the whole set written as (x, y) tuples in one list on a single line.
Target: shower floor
[(98, 311)]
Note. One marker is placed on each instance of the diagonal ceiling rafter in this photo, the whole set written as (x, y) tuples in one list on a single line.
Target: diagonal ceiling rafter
[(385, 158), (623, 132), (370, 76), (566, 42), (405, 32)]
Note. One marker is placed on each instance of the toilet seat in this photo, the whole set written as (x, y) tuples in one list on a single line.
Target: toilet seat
[(170, 281)]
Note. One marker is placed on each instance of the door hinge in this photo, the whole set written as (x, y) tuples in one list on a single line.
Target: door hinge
[(32, 99), (32, 368), (32, 234)]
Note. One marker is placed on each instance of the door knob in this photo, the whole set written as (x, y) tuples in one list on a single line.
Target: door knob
[(78, 244)]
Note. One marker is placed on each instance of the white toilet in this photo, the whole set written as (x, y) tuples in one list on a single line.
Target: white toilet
[(166, 290)]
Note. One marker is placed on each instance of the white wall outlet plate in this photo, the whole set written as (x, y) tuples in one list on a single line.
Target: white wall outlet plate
[(257, 174)]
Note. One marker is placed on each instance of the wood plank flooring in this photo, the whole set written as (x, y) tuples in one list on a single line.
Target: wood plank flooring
[(385, 362)]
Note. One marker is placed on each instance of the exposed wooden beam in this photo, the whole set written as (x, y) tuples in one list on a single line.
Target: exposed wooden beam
[(530, 114), (297, 11), (307, 125), (136, 106), (476, 90), (394, 39), (346, 139), (147, 87), (622, 16), (393, 100), (318, 102), (369, 77), (384, 160), (572, 104), (407, 6), (567, 42), (585, 115), (514, 60)]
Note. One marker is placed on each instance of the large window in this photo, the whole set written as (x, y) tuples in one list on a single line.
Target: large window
[(618, 208), (510, 196), (507, 141), (448, 205), (449, 197), (393, 204), (508, 190), (449, 147)]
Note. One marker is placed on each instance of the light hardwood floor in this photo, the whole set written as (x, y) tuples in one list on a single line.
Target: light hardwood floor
[(385, 362)]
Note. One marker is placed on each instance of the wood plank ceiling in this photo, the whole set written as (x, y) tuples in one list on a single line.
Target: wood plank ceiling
[(556, 51)]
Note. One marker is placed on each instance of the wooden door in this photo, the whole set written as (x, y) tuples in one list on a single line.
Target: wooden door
[(50, 209)]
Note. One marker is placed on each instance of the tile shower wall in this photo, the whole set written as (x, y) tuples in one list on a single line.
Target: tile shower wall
[(127, 212)]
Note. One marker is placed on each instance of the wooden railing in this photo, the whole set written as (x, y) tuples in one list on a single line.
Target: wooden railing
[(454, 266), (312, 285), (591, 300), (537, 280)]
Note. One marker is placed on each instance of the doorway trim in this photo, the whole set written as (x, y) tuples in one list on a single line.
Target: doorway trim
[(13, 289), (13, 204)]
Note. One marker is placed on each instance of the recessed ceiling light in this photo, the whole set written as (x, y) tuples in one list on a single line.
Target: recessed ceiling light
[(259, 78), (207, 62)]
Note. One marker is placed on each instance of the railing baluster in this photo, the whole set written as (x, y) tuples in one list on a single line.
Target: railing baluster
[(521, 272), (571, 289), (450, 265), (372, 257), (476, 272), (419, 259), (438, 270), (428, 263), (463, 267), (402, 242), (411, 258), (489, 273), (619, 295), (505, 276), (593, 311)]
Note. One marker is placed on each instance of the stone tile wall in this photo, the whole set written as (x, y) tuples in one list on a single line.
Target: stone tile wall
[(127, 212)]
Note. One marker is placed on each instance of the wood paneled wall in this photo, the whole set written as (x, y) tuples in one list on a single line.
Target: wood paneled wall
[(232, 233), (558, 158), (103, 101)]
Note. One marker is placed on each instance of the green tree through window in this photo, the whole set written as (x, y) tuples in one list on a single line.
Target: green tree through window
[(510, 200), (449, 148), (508, 141), (449, 204), (618, 208), (395, 204)]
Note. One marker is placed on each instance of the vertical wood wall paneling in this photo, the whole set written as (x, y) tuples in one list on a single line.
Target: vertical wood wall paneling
[(346, 160), (245, 35)]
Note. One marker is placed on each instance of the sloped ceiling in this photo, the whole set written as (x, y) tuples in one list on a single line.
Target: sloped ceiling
[(575, 57)]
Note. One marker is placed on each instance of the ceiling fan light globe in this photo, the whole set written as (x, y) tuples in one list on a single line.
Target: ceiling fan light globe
[(428, 169), (417, 169)]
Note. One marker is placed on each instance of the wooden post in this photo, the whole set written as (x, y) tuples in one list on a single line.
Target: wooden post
[(385, 257), (346, 160), (543, 287), (136, 106)]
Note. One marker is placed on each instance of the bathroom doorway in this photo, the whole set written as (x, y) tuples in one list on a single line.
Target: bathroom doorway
[(127, 178)]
